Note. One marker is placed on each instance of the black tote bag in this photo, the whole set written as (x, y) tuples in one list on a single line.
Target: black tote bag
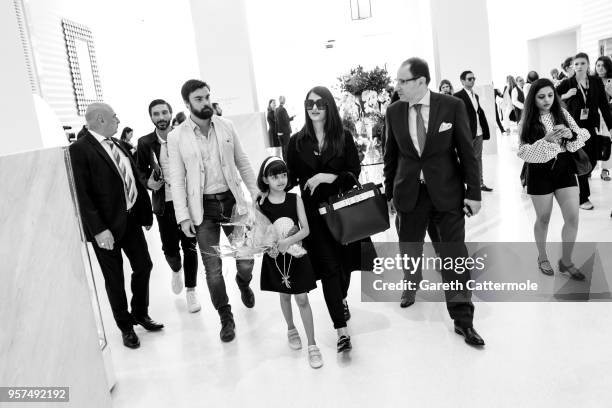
[(357, 213)]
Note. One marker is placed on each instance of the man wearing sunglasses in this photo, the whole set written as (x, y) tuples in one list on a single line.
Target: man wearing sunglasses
[(478, 121), (429, 161)]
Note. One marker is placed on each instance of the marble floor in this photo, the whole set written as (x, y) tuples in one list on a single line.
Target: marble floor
[(537, 354)]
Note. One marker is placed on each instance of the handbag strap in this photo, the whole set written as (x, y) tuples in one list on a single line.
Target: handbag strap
[(357, 183)]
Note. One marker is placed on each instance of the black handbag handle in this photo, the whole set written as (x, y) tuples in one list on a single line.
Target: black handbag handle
[(357, 183)]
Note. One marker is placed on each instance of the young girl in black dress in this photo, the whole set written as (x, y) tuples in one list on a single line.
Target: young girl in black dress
[(280, 271)]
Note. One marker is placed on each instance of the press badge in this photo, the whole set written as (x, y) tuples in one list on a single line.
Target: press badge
[(584, 114)]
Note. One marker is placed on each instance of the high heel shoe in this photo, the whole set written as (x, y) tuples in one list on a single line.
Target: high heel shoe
[(574, 272), (545, 267)]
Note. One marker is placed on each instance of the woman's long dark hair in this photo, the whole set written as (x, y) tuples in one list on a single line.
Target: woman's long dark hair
[(334, 131), (270, 103), (510, 83), (532, 129), (126, 130), (607, 62)]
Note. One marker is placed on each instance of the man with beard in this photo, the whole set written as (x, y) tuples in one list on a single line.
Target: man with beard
[(153, 163), (206, 158)]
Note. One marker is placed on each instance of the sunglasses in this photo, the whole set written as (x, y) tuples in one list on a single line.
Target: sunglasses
[(319, 103), (470, 79)]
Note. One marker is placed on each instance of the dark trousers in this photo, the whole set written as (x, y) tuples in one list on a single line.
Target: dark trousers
[(498, 120), (171, 235), (134, 246), (326, 257), (284, 143), (208, 233), (411, 228), (590, 148)]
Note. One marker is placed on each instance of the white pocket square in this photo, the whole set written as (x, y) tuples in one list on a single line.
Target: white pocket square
[(445, 126)]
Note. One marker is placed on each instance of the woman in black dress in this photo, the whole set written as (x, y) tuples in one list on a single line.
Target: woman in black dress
[(321, 158), (585, 96), (272, 136), (603, 69)]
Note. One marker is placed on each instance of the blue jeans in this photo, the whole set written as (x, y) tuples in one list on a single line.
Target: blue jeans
[(208, 233)]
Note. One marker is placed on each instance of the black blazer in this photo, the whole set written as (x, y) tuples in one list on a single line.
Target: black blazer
[(596, 99), (448, 161), (100, 191), (303, 165), (283, 120), (463, 95), (272, 136), (147, 147)]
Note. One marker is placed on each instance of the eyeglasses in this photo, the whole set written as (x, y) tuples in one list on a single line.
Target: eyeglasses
[(470, 79), (401, 81), (320, 104)]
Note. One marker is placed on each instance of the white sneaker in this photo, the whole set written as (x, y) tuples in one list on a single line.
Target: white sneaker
[(192, 301), (177, 281), (587, 205), (314, 357), (294, 339)]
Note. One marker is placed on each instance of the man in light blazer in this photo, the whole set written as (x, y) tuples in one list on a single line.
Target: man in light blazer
[(206, 158), (429, 159)]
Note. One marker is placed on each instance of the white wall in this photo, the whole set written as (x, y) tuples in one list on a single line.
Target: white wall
[(513, 23), (145, 50), (288, 39), (19, 127), (596, 25), (547, 52)]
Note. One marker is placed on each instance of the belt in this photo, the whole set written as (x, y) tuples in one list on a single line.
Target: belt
[(218, 196)]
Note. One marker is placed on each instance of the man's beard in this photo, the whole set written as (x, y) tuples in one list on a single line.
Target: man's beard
[(162, 124), (204, 114)]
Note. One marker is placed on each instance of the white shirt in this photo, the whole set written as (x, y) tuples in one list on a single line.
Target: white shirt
[(164, 163), (412, 121), (475, 104), (526, 89), (515, 100), (214, 182), (126, 163)]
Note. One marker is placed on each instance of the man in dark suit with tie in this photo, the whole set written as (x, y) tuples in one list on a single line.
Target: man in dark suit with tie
[(114, 206), (429, 159), (476, 116)]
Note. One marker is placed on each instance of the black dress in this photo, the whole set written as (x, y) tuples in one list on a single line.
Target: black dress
[(298, 271)]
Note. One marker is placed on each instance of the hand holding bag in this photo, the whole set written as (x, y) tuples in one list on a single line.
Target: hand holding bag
[(357, 213)]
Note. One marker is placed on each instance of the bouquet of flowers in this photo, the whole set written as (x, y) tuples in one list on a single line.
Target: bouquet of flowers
[(254, 234)]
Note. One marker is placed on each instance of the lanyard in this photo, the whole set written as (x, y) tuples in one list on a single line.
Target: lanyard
[(584, 95)]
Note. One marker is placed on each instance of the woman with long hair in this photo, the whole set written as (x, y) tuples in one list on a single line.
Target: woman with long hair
[(322, 158), (585, 98), (124, 140), (603, 69), (272, 135), (549, 136), (507, 97)]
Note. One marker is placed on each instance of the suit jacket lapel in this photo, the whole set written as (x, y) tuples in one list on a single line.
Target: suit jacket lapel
[(307, 153), (102, 152), (434, 105)]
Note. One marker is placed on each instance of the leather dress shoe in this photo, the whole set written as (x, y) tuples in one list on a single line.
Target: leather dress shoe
[(471, 336), (485, 188), (148, 323), (406, 303), (247, 296), (228, 332), (130, 339)]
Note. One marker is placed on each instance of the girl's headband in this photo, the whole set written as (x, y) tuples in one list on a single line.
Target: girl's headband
[(270, 160)]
